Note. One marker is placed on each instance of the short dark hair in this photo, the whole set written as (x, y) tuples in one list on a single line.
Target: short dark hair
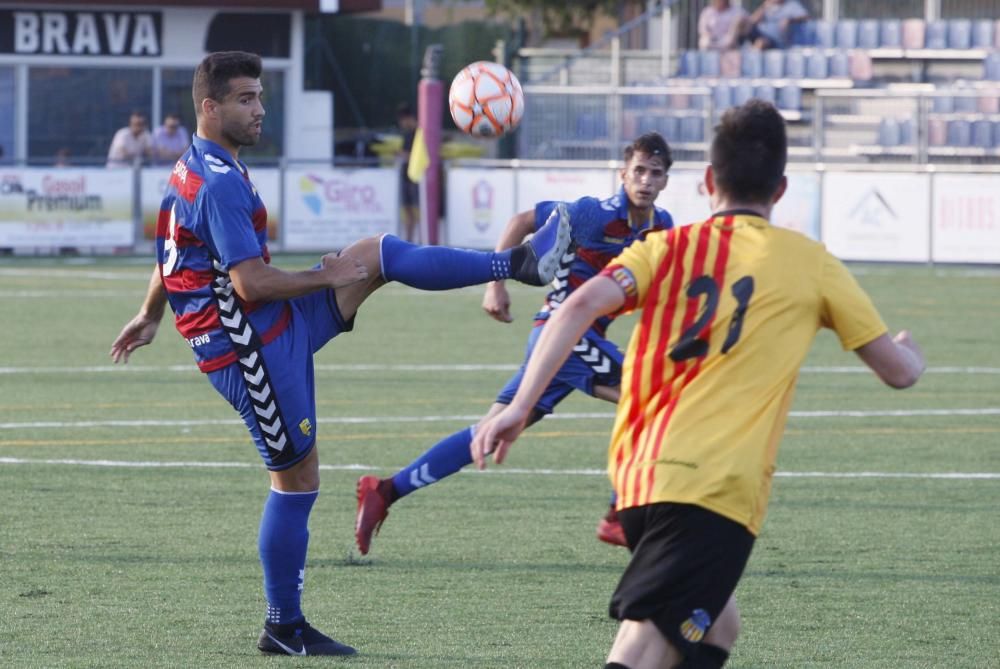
[(211, 78), (749, 152), (652, 144)]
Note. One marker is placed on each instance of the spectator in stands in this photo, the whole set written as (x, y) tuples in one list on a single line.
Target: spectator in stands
[(132, 144), (61, 159), (170, 140), (771, 23), (722, 26)]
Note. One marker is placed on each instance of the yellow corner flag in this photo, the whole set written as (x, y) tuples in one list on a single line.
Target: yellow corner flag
[(420, 160)]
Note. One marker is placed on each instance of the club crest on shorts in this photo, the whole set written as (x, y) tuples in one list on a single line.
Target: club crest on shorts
[(305, 426), (693, 629)]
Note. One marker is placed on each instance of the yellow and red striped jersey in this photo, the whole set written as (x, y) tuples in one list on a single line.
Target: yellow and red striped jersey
[(730, 307)]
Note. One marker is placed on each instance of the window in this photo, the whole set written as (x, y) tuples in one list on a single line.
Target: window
[(77, 110)]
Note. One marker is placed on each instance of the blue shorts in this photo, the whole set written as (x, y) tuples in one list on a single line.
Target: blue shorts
[(278, 401), (595, 361)]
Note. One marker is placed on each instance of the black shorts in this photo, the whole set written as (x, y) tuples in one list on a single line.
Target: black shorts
[(685, 564)]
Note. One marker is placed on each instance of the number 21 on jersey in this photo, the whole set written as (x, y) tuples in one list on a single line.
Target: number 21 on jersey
[(692, 344)]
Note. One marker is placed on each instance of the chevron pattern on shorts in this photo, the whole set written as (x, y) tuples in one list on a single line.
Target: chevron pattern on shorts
[(597, 359), (245, 340)]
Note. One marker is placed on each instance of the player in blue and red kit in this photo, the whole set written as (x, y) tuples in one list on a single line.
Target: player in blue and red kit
[(601, 229), (254, 328)]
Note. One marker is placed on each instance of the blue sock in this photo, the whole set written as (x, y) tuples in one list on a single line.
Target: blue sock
[(284, 537), (443, 459), (441, 267), (614, 499)]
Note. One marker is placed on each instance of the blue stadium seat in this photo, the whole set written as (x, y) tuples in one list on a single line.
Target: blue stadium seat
[(802, 34), (996, 133), (982, 134), (891, 33), (795, 64), (991, 67), (943, 104), (906, 134), (936, 35), (591, 125), (765, 92), (741, 93), (839, 64), (790, 97), (966, 104), (752, 66), (722, 97), (669, 127), (959, 34), (816, 66), (846, 34), (692, 129), (868, 34), (774, 63), (826, 34), (959, 133), (889, 133), (689, 64), (708, 63), (982, 34)]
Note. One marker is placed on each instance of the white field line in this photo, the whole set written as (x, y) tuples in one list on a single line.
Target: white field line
[(472, 418), (147, 464), (405, 367)]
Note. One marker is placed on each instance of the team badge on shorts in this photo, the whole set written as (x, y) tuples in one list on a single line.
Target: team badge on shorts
[(305, 426), (693, 629)]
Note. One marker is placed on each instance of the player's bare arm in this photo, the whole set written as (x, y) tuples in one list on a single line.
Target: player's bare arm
[(496, 300), (256, 281), (141, 330), (595, 298), (897, 361)]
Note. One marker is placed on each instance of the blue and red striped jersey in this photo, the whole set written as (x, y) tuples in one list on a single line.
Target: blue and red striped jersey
[(211, 219), (601, 230)]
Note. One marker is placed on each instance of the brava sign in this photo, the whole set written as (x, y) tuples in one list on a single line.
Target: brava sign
[(70, 33)]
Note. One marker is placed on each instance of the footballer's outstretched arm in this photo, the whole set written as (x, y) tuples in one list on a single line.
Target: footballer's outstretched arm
[(897, 361), (496, 300), (142, 328), (596, 297)]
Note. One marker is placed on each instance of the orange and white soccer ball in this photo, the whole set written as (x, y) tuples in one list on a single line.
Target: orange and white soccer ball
[(486, 100)]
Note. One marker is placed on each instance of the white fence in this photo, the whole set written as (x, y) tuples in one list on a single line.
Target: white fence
[(905, 215)]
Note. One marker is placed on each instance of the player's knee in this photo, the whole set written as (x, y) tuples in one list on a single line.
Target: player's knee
[(368, 252)]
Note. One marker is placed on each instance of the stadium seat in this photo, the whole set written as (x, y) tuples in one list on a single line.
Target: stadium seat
[(790, 98), (996, 133), (959, 34), (839, 65), (591, 125), (891, 33), (942, 104), (722, 97), (692, 129), (889, 133), (966, 104), (868, 34), (816, 66), (688, 64), (795, 64), (959, 133), (913, 34), (988, 104), (982, 134), (765, 92), (826, 37), (708, 63), (846, 34), (860, 65), (731, 63), (752, 64), (936, 35), (906, 135), (669, 127), (774, 64), (991, 67), (741, 93), (802, 34), (936, 132), (982, 34)]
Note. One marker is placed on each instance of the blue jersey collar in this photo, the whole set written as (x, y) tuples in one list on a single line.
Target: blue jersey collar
[(208, 146)]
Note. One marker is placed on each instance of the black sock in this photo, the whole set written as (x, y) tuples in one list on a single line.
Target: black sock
[(615, 665), (707, 656)]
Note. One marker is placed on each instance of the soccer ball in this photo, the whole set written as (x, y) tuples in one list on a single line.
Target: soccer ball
[(485, 100)]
